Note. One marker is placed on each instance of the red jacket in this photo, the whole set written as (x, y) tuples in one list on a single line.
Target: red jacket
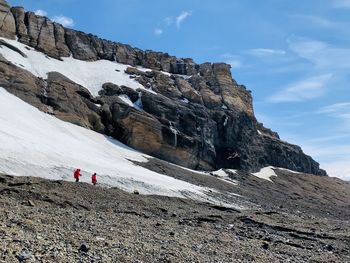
[(94, 179), (77, 174)]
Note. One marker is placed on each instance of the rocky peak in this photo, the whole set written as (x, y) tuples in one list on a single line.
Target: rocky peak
[(196, 115)]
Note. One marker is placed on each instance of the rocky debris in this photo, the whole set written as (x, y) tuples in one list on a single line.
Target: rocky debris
[(289, 192), (109, 225)]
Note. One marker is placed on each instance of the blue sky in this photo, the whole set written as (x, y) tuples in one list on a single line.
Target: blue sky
[(293, 55)]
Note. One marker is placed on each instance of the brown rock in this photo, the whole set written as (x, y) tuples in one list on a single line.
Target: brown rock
[(188, 91), (60, 41), (80, 45), (7, 21), (22, 31)]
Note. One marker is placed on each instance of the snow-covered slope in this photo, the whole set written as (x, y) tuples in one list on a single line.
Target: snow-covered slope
[(37, 144), (91, 75)]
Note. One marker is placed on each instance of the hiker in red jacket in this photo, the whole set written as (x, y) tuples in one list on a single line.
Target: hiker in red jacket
[(77, 175), (94, 179)]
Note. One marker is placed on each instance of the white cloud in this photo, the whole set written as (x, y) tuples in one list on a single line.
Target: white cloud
[(158, 31), (341, 3), (65, 21), (316, 20), (233, 60), (333, 157), (169, 20), (338, 110), (340, 169), (306, 89), (322, 55), (261, 52), (235, 63), (40, 12), (180, 18)]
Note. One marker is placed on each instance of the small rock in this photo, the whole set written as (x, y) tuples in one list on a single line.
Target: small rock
[(24, 256), (84, 248), (265, 245), (136, 192), (329, 248), (31, 203)]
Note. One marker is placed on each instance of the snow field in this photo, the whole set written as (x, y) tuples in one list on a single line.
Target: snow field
[(91, 75)]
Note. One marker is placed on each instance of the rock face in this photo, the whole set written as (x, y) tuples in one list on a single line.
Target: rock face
[(7, 21), (198, 117)]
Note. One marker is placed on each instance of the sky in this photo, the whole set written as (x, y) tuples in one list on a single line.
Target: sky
[(294, 55)]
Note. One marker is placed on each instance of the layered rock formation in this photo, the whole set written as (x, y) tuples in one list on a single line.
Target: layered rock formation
[(197, 116)]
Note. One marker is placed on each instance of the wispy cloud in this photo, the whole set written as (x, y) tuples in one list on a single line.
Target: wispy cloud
[(303, 90), (262, 52), (341, 3), (40, 12), (180, 18), (340, 169), (322, 55), (172, 21), (338, 110), (334, 157), (235, 61), (158, 31), (65, 21), (342, 107), (169, 20), (317, 20)]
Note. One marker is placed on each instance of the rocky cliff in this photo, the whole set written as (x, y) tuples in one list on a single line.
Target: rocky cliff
[(193, 115)]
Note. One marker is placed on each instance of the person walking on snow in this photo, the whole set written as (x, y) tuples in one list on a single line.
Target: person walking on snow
[(77, 175), (94, 179)]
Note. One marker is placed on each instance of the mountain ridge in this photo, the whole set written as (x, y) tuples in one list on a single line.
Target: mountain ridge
[(192, 115)]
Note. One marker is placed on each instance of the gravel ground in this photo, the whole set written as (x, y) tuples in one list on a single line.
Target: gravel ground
[(56, 221)]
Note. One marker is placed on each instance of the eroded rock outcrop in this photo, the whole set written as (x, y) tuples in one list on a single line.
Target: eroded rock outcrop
[(192, 115), (7, 21)]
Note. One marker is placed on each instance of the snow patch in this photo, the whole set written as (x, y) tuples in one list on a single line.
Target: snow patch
[(266, 173), (37, 144), (184, 100), (91, 75), (287, 170), (222, 175), (126, 99)]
